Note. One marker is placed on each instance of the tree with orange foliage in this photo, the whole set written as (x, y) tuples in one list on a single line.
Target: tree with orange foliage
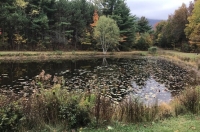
[(95, 19), (87, 37)]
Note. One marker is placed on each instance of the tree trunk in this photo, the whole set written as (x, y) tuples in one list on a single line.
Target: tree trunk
[(104, 51), (76, 38)]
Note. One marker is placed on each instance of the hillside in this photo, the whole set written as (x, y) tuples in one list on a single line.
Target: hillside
[(152, 22)]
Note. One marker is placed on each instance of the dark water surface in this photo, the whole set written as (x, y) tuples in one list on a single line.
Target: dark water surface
[(149, 79)]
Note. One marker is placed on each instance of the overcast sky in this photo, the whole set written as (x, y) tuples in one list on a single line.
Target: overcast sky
[(155, 9)]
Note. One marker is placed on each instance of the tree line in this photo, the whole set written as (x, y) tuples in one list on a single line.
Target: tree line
[(70, 25), (67, 25), (181, 30)]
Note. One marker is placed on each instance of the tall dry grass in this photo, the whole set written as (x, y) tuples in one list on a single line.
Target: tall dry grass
[(57, 108), (187, 101)]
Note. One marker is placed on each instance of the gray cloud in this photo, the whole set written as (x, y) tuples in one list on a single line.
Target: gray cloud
[(154, 9)]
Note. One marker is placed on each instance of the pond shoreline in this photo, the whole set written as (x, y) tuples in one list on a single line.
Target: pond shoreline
[(42, 56), (35, 56), (47, 98)]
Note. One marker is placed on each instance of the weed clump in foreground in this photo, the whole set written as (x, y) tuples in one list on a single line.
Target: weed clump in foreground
[(56, 106), (58, 109), (187, 101), (11, 114), (152, 50)]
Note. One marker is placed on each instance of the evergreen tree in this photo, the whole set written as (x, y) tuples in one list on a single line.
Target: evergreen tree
[(82, 12), (126, 23), (143, 25), (61, 33), (119, 11)]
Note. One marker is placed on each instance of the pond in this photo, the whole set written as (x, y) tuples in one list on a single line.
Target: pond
[(148, 79)]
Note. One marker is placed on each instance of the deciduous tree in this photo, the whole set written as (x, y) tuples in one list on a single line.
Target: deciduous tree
[(106, 33), (178, 22), (192, 29)]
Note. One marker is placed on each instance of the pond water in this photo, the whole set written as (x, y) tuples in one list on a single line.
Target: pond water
[(148, 79)]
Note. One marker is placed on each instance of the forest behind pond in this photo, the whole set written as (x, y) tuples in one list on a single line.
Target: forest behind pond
[(69, 25)]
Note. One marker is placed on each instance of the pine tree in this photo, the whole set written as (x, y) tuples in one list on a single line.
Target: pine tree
[(143, 25)]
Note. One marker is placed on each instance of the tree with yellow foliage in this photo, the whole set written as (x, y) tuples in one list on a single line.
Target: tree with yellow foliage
[(192, 29), (106, 33), (21, 3), (19, 40)]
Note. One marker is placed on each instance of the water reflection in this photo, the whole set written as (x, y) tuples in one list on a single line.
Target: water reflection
[(152, 92), (148, 79), (104, 63)]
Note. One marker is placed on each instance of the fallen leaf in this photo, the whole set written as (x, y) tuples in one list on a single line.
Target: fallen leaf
[(110, 128), (192, 127)]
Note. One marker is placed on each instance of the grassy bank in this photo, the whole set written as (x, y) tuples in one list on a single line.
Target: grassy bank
[(52, 55), (186, 59), (186, 123)]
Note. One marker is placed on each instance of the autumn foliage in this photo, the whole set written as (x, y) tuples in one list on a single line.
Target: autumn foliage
[(95, 19)]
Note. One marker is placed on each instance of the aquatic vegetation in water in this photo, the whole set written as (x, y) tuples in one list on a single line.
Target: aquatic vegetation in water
[(146, 78)]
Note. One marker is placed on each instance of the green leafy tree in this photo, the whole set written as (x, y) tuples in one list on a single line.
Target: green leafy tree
[(120, 12), (162, 35), (167, 33), (178, 22), (106, 33), (12, 20), (170, 33), (192, 29), (190, 8), (143, 41)]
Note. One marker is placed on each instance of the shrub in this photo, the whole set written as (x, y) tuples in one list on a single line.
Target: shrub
[(73, 52), (165, 110), (143, 41), (57, 52), (152, 50), (103, 109), (11, 116), (133, 111), (54, 106), (185, 59), (188, 101), (198, 66), (178, 107), (142, 44), (73, 114), (185, 47), (112, 53), (177, 49)]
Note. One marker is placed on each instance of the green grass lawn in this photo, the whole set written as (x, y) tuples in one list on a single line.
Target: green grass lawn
[(47, 55), (181, 54), (160, 52), (185, 123)]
